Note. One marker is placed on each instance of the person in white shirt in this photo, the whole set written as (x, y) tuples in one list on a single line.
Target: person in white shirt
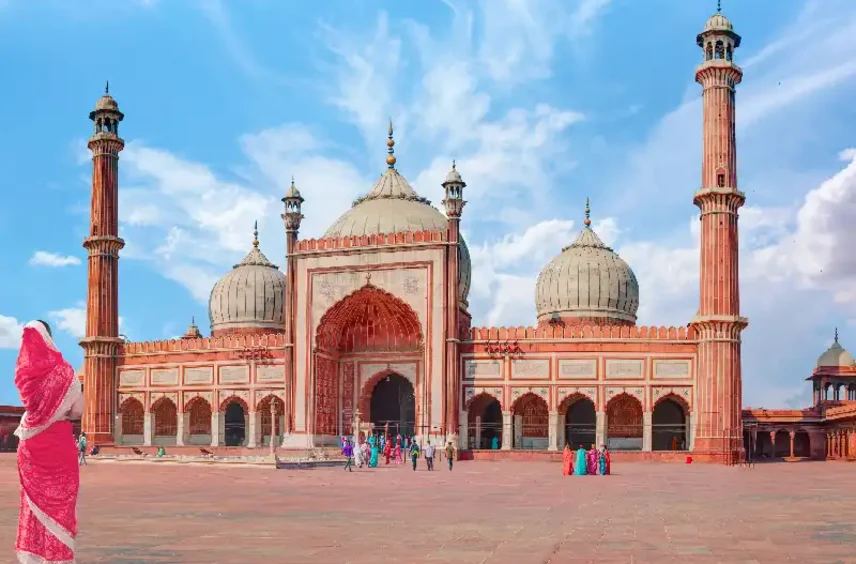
[(429, 455)]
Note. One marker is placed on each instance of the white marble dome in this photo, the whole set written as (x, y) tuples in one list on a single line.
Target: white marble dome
[(249, 298), (718, 22), (836, 356), (587, 280), (393, 206)]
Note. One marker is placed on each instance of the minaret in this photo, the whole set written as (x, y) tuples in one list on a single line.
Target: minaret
[(101, 343), (454, 204), (718, 324), (293, 202)]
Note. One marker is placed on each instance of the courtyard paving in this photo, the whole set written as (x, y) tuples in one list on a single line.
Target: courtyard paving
[(483, 512)]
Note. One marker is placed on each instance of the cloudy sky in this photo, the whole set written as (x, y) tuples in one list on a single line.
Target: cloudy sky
[(541, 102)]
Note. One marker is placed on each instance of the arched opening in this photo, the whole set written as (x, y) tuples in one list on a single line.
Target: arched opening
[(828, 392), (531, 421), (782, 447), (708, 52), (264, 409), (235, 426), (719, 50), (484, 422), (624, 423), (165, 424), (729, 52), (369, 320), (580, 422), (763, 445), (802, 444), (669, 425), (132, 420), (198, 421), (393, 406)]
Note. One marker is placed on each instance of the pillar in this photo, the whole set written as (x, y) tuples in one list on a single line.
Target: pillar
[(356, 426), (791, 434), (117, 427), (773, 442), (215, 428), (478, 444), (253, 428), (464, 436), (517, 440), (691, 431), (147, 428), (600, 429), (553, 431), (647, 431), (180, 427), (507, 421), (561, 431)]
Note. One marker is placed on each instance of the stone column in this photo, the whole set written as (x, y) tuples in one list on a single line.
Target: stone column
[(253, 428), (117, 429), (478, 432), (517, 440), (464, 432), (507, 420), (600, 436), (553, 431), (272, 441), (179, 431), (215, 428), (356, 427), (147, 428), (647, 431), (561, 432), (691, 432), (773, 442), (791, 434)]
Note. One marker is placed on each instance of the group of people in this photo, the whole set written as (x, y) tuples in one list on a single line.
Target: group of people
[(367, 452), (582, 463)]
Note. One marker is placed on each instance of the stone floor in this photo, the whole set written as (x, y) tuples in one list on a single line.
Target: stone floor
[(483, 512)]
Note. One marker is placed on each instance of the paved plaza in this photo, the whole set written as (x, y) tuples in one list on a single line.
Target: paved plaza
[(483, 512)]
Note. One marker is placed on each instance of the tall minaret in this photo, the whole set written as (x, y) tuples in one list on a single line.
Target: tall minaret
[(454, 204), (101, 344), (291, 217), (718, 324)]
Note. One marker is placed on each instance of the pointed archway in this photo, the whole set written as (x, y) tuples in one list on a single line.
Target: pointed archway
[(367, 322)]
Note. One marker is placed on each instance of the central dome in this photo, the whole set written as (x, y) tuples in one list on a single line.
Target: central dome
[(836, 356), (587, 283), (393, 206)]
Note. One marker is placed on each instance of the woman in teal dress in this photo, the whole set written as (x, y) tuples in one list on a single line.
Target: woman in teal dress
[(580, 463), (601, 462), (373, 459), (494, 443)]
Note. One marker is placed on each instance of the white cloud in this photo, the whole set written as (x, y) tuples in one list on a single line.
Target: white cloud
[(45, 258), (10, 332), (73, 320)]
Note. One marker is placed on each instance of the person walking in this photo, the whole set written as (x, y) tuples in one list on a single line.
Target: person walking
[(414, 453), (48, 465), (348, 451), (450, 454), (429, 455), (81, 449)]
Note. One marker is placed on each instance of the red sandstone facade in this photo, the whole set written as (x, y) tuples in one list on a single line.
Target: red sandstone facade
[(370, 329)]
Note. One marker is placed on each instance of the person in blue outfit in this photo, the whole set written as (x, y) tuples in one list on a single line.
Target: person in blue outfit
[(580, 464)]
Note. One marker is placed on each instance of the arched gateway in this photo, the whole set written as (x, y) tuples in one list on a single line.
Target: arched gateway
[(369, 354)]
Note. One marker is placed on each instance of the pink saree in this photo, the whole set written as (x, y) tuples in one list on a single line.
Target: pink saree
[(47, 455)]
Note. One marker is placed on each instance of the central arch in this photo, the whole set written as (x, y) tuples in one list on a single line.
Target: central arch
[(531, 422), (484, 422), (366, 322), (669, 424), (580, 421)]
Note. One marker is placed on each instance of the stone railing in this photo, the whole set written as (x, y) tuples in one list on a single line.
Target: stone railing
[(228, 342), (581, 332), (374, 240)]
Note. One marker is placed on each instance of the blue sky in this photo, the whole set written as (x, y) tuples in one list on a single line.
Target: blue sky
[(542, 103)]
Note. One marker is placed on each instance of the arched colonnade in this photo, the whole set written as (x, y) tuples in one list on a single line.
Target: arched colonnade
[(233, 423), (530, 425)]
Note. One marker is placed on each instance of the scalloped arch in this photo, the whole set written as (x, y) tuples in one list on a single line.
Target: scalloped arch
[(224, 403), (369, 319)]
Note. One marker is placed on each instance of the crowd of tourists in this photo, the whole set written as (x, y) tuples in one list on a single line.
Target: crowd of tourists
[(361, 452), (582, 463)]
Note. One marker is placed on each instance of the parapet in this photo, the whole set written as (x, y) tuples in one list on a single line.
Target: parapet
[(622, 332), (373, 240), (225, 342)]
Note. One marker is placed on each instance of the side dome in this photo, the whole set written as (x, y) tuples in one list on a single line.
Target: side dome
[(250, 298), (836, 356), (393, 206), (587, 283)]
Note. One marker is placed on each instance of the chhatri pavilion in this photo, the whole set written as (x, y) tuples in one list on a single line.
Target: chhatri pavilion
[(367, 329)]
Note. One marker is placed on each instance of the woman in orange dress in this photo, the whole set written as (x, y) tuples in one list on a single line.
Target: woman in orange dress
[(567, 461)]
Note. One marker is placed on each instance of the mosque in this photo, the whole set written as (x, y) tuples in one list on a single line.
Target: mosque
[(367, 329)]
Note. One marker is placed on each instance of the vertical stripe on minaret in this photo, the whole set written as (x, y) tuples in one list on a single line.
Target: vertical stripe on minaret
[(718, 324), (101, 343)]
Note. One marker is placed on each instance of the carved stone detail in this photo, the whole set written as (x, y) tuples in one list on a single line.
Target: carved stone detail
[(672, 369), (190, 396), (234, 374), (577, 369), (638, 393), (617, 369), (530, 368), (132, 378), (164, 376), (476, 369), (684, 392), (140, 396), (198, 375), (270, 373), (564, 392), (543, 393)]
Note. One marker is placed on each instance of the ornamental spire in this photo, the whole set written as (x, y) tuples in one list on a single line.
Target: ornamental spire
[(836, 335), (390, 143), (587, 221), (256, 234), (718, 6)]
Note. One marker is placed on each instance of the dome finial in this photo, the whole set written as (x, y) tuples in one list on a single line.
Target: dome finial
[(587, 221), (256, 234), (107, 88), (718, 6), (836, 335), (390, 143)]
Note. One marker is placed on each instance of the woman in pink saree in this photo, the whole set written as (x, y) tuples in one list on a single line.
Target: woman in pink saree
[(47, 455)]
